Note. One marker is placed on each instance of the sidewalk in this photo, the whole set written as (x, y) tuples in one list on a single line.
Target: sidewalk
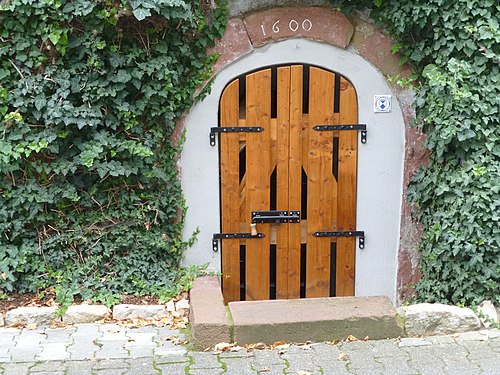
[(111, 349)]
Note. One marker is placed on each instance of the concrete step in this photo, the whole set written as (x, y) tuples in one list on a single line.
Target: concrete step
[(314, 319), (300, 320)]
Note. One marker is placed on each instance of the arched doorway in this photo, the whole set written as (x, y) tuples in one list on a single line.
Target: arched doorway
[(288, 170)]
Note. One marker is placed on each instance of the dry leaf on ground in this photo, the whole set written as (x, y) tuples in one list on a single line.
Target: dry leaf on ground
[(343, 357), (351, 338)]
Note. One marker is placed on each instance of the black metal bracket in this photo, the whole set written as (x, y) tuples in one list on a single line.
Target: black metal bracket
[(233, 129), (224, 236), (355, 233), (361, 127), (275, 217)]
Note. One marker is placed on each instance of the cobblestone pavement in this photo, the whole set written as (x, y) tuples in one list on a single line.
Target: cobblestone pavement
[(111, 349)]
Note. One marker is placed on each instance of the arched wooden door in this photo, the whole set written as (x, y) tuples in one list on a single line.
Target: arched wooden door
[(291, 180)]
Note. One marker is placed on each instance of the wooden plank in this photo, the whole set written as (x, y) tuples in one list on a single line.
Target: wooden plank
[(346, 206), (295, 180), (320, 183), (258, 163), (282, 141), (229, 169)]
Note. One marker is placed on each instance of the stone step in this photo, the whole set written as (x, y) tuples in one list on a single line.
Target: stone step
[(314, 319)]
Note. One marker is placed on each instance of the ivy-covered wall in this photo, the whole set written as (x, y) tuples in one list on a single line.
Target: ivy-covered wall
[(454, 48), (90, 200)]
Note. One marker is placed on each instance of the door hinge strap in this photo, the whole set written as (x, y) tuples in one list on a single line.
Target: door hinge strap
[(225, 236), (275, 217), (354, 233), (233, 129), (361, 127)]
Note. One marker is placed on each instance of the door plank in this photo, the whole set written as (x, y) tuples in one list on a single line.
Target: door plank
[(295, 179), (229, 167), (320, 183), (282, 155), (258, 110), (346, 206)]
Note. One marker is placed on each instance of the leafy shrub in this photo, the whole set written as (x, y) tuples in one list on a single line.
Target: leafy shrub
[(90, 90), (454, 47)]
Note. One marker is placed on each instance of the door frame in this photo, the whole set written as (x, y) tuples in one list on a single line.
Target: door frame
[(380, 161)]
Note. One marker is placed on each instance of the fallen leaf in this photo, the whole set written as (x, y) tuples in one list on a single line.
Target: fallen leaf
[(265, 369), (31, 326), (366, 338), (304, 372), (351, 338), (223, 346), (15, 325), (343, 357), (278, 343), (260, 346)]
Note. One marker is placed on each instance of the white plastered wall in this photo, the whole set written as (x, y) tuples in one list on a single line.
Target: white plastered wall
[(380, 161)]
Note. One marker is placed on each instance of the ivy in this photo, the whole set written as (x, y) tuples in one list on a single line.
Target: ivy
[(90, 200), (453, 46)]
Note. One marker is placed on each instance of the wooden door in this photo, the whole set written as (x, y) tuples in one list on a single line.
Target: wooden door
[(288, 166)]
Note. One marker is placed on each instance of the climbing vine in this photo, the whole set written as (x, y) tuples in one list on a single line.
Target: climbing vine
[(90, 201), (454, 48)]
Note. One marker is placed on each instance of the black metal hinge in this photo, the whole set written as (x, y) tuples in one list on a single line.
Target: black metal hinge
[(275, 217), (354, 233), (233, 129), (224, 236), (361, 127)]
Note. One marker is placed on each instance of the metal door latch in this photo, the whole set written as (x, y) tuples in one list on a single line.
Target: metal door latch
[(275, 217), (354, 233), (233, 129), (361, 127), (224, 236)]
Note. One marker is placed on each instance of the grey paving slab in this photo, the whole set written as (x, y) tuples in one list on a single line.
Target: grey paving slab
[(172, 369), (79, 367), (205, 361), (239, 365), (17, 368), (52, 366)]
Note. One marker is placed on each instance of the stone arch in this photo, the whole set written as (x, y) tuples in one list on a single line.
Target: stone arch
[(333, 40)]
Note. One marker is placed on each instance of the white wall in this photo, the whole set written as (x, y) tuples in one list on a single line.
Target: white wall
[(380, 161)]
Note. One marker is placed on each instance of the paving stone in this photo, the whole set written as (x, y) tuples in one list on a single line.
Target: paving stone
[(396, 366), (86, 330), (271, 369), (387, 348), (471, 336), (300, 360), (208, 371), (110, 364), (362, 359), (167, 350), (110, 372), (24, 353), (412, 342), (489, 366), (173, 358), (140, 352), (141, 366), (47, 367), (238, 366), (17, 368), (79, 367), (172, 369), (263, 358), (53, 351), (83, 351), (59, 335), (141, 337), (205, 361), (111, 353)]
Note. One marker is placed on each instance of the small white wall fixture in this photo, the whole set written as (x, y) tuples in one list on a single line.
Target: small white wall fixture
[(380, 161)]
